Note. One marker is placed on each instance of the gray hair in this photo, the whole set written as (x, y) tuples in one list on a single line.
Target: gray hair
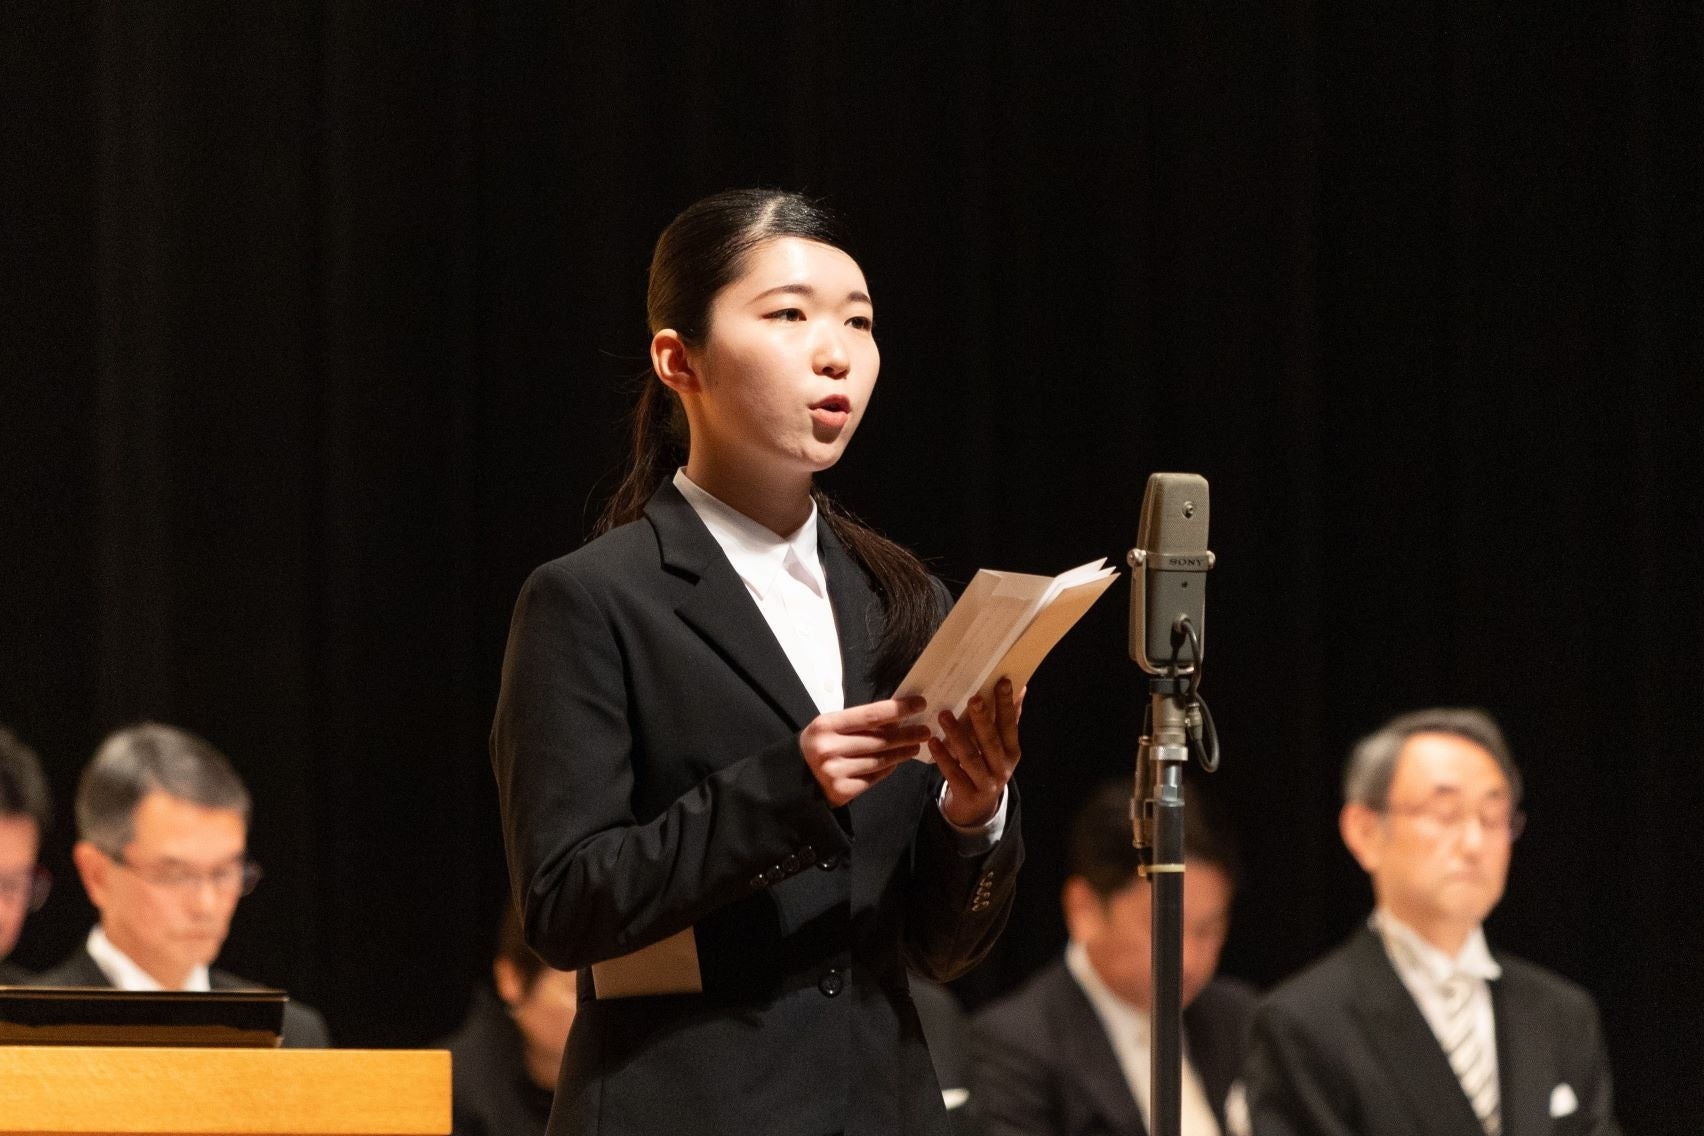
[(1372, 763), (139, 759), (23, 787)]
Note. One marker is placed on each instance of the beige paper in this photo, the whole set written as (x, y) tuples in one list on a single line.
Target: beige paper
[(1005, 623), (668, 967), (1043, 634)]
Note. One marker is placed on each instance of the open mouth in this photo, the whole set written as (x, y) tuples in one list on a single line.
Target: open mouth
[(832, 411)]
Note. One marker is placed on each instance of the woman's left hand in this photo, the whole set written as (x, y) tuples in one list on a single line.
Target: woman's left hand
[(978, 755)]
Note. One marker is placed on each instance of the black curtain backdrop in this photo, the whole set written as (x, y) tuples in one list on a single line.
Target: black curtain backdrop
[(322, 319)]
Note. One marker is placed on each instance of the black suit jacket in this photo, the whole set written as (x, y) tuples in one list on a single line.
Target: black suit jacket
[(491, 1093), (1042, 1062), (303, 1026), (1342, 1048), (648, 767)]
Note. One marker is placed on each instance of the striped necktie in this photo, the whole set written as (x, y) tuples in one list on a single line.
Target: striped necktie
[(1467, 1054)]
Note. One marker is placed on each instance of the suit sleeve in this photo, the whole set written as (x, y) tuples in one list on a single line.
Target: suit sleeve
[(958, 904), (590, 879), (1292, 1088)]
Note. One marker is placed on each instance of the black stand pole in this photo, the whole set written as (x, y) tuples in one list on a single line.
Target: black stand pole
[(1158, 817)]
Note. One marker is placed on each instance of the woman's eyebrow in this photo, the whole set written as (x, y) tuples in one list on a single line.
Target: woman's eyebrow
[(808, 291)]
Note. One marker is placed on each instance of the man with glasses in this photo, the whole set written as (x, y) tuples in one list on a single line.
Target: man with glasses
[(25, 811), (1414, 1025), (162, 839)]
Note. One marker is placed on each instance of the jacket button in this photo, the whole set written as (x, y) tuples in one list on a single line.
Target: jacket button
[(758, 881), (828, 863), (832, 983), (790, 865)]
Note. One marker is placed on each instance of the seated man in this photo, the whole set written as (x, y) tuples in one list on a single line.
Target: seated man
[(162, 837), (25, 811), (505, 1056), (1068, 1053), (946, 1029), (1414, 1025)]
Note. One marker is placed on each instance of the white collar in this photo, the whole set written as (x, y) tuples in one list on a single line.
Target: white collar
[(126, 974), (756, 553), (1412, 953)]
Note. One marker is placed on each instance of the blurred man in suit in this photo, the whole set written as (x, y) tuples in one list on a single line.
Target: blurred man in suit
[(1068, 1053), (25, 812), (506, 1054), (1414, 1025), (162, 849)]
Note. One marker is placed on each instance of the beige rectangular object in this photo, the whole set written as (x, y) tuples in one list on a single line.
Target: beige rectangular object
[(135, 1091), (667, 967)]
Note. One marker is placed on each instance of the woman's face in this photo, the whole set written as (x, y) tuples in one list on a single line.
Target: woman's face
[(788, 365)]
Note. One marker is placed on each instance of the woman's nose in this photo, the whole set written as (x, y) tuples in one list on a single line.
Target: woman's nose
[(832, 358)]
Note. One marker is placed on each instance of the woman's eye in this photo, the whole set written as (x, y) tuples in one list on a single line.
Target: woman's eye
[(862, 323), (790, 315)]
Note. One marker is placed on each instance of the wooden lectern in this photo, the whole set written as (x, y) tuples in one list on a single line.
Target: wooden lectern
[(49, 1090)]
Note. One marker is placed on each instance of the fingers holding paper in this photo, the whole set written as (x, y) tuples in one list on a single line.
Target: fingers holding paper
[(851, 750), (977, 754)]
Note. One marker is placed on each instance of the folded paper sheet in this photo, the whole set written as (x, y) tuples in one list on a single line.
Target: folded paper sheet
[(1003, 625)]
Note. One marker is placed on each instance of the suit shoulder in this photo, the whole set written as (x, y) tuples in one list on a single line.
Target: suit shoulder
[(1022, 1013), (78, 969), (1327, 980), (1228, 997), (1530, 980), (610, 556), (304, 1027)]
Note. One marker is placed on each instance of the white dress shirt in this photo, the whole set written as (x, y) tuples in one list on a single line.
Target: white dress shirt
[(1127, 1028), (123, 972), (785, 577), (1424, 969)]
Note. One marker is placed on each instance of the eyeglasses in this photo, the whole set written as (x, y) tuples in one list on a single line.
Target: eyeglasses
[(1450, 815), (239, 876), (28, 887)]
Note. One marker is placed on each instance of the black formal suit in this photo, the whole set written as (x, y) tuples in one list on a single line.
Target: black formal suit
[(303, 1026), (1342, 1048), (491, 1093), (1042, 1063), (648, 767)]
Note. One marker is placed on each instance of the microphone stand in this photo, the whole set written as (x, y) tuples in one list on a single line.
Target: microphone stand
[(1157, 809)]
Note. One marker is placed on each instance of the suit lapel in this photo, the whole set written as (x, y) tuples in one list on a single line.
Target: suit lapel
[(1404, 1044), (720, 609), (1203, 1037), (857, 614), (1089, 1051), (81, 969), (1524, 1084)]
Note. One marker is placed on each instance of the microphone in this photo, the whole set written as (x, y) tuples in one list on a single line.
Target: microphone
[(1168, 620), (1169, 583)]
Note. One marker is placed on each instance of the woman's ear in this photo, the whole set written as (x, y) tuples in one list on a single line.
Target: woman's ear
[(669, 358)]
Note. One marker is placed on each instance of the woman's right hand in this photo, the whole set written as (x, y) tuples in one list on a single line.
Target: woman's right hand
[(851, 750)]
